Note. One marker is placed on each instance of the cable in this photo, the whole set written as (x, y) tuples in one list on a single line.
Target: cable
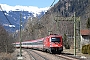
[(50, 7), (52, 3), (5, 15)]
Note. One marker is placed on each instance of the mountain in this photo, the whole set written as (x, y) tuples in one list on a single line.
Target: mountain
[(66, 8), (12, 13)]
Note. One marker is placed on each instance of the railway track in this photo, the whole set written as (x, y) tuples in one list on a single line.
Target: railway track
[(35, 56), (38, 55)]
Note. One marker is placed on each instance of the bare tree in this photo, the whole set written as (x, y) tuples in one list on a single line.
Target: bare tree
[(5, 41)]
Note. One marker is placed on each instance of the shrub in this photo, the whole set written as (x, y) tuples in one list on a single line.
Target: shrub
[(65, 42), (67, 46), (84, 49), (88, 49)]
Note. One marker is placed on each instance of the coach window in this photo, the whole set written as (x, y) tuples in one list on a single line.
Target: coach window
[(35, 43), (23, 43), (29, 43), (32, 43), (40, 42)]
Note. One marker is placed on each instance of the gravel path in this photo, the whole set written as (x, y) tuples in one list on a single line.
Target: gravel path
[(24, 55)]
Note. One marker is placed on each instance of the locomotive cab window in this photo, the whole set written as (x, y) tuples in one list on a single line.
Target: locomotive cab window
[(55, 39)]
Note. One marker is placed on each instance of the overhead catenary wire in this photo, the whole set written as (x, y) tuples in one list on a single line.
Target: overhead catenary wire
[(5, 15), (52, 3), (49, 7)]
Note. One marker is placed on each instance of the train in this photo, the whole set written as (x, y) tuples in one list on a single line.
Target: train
[(52, 44)]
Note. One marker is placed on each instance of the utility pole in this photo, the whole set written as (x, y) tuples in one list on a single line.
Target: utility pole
[(20, 36), (74, 18), (20, 55), (74, 35), (79, 35), (78, 23)]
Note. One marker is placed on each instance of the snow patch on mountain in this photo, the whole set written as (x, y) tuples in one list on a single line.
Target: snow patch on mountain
[(33, 9)]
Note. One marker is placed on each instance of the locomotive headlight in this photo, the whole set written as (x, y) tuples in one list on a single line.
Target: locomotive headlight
[(56, 45), (50, 44), (61, 45)]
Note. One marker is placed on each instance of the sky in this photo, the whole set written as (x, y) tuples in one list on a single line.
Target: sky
[(37, 3), (35, 6)]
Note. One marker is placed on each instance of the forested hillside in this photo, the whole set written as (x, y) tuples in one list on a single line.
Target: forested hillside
[(37, 28)]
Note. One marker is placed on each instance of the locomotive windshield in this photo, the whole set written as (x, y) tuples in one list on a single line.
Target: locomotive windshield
[(55, 39)]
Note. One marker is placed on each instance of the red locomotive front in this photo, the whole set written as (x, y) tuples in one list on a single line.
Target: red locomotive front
[(53, 43)]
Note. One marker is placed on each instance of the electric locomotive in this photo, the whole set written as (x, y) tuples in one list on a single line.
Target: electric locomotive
[(53, 43)]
